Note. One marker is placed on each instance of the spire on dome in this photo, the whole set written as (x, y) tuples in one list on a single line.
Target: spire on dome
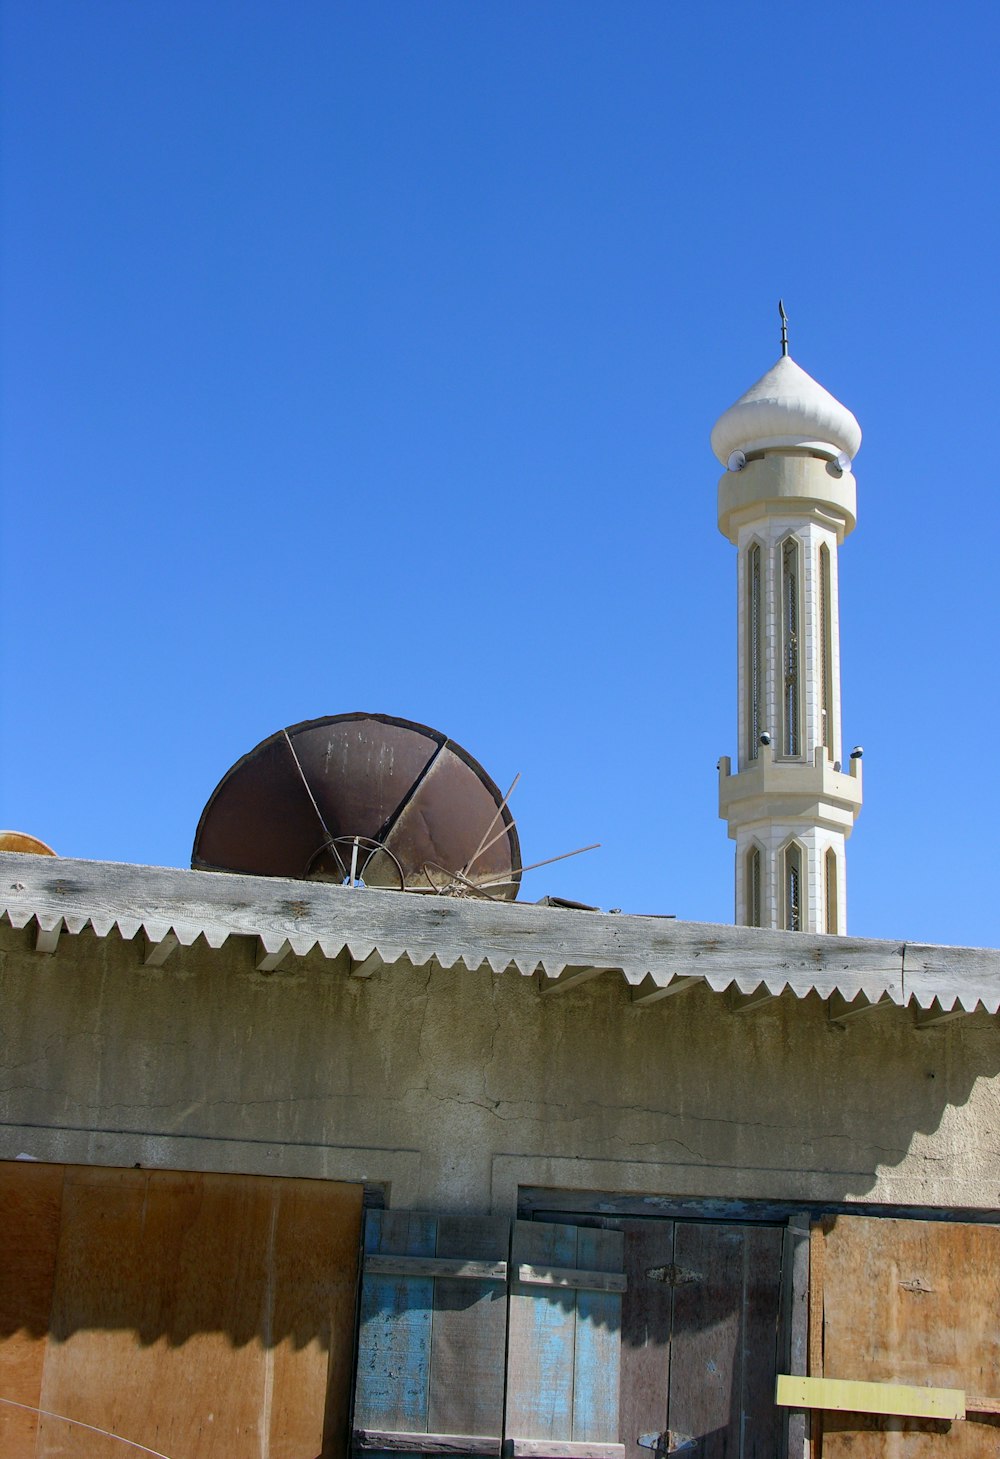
[(786, 408)]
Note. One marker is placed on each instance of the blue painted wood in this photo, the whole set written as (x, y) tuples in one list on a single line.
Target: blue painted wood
[(430, 1355), (563, 1345), (541, 1337), (597, 1350), (431, 1347), (395, 1328)]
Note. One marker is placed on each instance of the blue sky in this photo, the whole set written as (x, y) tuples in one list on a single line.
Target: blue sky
[(365, 355)]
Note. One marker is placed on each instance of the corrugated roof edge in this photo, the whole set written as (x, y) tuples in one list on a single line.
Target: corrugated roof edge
[(657, 956)]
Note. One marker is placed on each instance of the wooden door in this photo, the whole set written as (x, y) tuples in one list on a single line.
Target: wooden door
[(474, 1337), (699, 1338), (564, 1342), (431, 1343), (193, 1316), (913, 1302)]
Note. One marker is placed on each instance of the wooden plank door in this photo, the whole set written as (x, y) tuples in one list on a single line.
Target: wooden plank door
[(914, 1302), (198, 1316), (431, 1342), (700, 1338), (647, 1319), (563, 1351)]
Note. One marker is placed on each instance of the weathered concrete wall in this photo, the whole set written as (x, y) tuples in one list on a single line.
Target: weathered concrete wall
[(456, 1086)]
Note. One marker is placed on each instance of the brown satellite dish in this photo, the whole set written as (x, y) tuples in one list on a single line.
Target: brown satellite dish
[(18, 841), (363, 799)]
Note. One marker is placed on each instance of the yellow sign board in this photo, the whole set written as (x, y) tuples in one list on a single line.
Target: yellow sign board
[(854, 1397)]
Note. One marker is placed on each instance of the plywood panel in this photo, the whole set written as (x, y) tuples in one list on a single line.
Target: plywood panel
[(30, 1204), (317, 1252), (196, 1315), (911, 1302)]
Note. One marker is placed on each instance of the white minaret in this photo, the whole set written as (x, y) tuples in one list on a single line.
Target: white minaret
[(787, 500)]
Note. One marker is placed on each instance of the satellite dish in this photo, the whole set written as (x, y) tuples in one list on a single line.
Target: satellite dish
[(843, 461), (737, 461), (363, 799)]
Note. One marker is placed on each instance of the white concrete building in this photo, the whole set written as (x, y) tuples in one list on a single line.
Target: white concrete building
[(787, 500)]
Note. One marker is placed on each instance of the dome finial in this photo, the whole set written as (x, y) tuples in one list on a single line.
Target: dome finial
[(784, 326)]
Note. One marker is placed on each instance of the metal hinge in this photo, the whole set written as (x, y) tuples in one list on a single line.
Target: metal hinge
[(669, 1442), (673, 1275)]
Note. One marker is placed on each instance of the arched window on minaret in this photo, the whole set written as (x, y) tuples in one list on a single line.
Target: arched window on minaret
[(754, 651), (793, 887), (791, 657), (832, 890), (753, 887), (826, 649)]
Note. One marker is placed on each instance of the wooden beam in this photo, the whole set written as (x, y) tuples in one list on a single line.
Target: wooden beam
[(266, 962), (371, 964), (815, 1357), (570, 978), (47, 938), (156, 953), (817, 1286), (748, 1002), (562, 1449), (391, 1442), (642, 999), (842, 1012), (981, 1405), (435, 1266), (931, 971), (648, 950), (557, 1276), (848, 1396), (934, 1016), (793, 1322)]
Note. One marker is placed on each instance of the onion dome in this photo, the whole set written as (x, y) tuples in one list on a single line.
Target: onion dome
[(786, 407)]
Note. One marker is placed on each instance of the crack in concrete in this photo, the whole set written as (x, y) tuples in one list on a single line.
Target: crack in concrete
[(552, 1115)]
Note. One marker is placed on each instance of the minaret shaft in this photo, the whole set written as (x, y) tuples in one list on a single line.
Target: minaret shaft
[(790, 806), (788, 656)]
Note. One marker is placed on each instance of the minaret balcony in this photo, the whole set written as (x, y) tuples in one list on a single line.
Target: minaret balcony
[(788, 483), (770, 789)]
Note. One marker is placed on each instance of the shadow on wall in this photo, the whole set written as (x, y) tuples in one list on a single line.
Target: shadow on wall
[(684, 1096), (688, 1098), (167, 1255)]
